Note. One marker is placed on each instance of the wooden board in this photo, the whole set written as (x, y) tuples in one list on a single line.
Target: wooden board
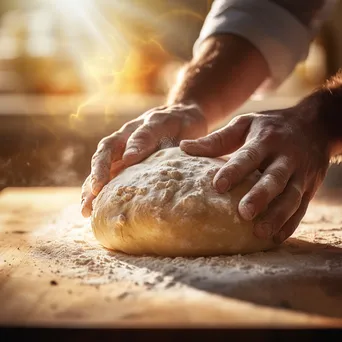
[(31, 293)]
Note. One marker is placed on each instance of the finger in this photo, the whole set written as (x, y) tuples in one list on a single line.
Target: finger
[(101, 163), (220, 142), (86, 198), (271, 184), (243, 162), (116, 168), (142, 143), (291, 225), (87, 206), (280, 210), (86, 188), (109, 150)]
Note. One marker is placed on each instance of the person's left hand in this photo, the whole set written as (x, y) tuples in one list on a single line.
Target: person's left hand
[(288, 147)]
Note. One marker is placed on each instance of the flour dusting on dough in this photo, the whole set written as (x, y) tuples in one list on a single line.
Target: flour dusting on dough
[(172, 209), (307, 261)]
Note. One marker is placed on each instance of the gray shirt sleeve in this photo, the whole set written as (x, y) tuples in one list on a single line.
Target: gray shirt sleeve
[(281, 30)]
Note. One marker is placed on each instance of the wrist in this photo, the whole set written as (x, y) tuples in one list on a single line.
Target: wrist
[(191, 115), (326, 106), (181, 94), (186, 103), (220, 78), (183, 103)]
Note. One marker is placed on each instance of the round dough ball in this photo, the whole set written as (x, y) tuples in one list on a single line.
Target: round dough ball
[(166, 206)]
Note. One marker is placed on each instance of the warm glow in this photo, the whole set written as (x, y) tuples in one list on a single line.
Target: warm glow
[(126, 57)]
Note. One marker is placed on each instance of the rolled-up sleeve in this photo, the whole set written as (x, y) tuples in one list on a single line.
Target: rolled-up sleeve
[(274, 27)]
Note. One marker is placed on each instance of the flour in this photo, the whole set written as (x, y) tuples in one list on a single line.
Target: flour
[(70, 247), (309, 265), (167, 206)]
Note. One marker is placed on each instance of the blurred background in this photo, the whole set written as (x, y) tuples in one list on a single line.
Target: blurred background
[(74, 71)]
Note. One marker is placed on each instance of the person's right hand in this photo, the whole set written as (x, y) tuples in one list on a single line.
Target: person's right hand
[(157, 128)]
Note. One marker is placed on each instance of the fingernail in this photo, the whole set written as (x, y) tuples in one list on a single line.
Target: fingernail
[(264, 230), (86, 213), (247, 211), (131, 151), (187, 142), (188, 146), (222, 184), (95, 188), (281, 237)]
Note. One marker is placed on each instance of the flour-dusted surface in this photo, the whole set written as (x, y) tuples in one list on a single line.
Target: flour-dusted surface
[(43, 235), (166, 205), (304, 274)]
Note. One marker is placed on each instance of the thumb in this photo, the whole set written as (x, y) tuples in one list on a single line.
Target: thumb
[(87, 198), (220, 142)]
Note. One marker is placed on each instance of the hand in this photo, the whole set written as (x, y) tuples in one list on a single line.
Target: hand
[(156, 129), (288, 147)]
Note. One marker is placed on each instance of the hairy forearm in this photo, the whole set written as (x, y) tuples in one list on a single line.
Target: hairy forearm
[(326, 104), (225, 72)]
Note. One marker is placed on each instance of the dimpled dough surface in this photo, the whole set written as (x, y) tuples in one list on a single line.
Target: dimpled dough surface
[(166, 206)]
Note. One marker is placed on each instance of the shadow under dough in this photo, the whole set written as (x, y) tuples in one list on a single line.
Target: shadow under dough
[(298, 275)]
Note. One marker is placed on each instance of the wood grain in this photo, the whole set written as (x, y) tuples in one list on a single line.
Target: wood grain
[(31, 295)]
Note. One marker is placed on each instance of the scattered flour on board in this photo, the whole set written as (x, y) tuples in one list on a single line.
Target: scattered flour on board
[(69, 246)]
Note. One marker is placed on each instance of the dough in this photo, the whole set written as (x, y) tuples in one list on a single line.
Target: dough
[(166, 206)]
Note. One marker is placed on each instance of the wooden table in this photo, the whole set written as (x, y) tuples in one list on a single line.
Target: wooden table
[(35, 291)]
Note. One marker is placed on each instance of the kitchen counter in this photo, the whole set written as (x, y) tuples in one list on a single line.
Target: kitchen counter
[(54, 273)]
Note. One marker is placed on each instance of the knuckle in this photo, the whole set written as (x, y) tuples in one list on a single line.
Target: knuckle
[(158, 116), (241, 119), (107, 142), (164, 119), (143, 133), (217, 139), (99, 162), (103, 143), (99, 152), (101, 176), (268, 135), (277, 178), (235, 121), (94, 157), (193, 110), (129, 126), (251, 154), (115, 140)]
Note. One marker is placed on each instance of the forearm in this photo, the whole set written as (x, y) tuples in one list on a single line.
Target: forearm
[(222, 76), (326, 104), (241, 44)]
